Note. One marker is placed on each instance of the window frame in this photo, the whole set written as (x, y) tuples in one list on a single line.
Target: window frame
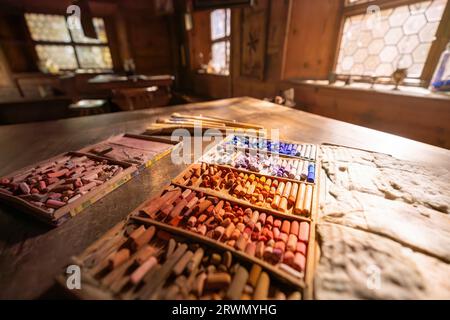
[(437, 46), (71, 43)]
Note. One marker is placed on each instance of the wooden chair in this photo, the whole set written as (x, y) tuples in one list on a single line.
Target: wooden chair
[(141, 98)]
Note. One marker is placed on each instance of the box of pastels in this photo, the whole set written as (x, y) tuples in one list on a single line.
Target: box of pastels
[(141, 261), (140, 150), (59, 188)]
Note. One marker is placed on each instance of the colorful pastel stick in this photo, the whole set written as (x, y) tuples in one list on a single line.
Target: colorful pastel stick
[(311, 173)]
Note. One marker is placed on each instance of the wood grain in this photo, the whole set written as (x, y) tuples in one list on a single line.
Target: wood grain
[(311, 40)]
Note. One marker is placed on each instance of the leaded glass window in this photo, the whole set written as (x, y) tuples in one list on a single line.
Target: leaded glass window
[(61, 44), (378, 42)]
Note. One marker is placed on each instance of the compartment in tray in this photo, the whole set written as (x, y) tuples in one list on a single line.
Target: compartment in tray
[(279, 241), (283, 195), (138, 261), (287, 148), (136, 149), (262, 162)]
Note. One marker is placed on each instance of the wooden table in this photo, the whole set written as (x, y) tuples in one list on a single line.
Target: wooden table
[(32, 254)]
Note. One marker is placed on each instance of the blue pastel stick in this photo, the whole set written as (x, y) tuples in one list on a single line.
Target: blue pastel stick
[(311, 173), (288, 148)]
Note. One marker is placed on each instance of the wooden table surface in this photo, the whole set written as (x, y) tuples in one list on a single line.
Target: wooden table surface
[(32, 254)]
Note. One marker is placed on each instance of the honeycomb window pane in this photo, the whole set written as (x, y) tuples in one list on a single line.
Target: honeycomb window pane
[(399, 16), (94, 57), (414, 24), (408, 43), (419, 8), (405, 61), (60, 56), (421, 52), (435, 10), (380, 27), (47, 27), (428, 33), (393, 36), (370, 65), (388, 54), (376, 46), (78, 35), (400, 37)]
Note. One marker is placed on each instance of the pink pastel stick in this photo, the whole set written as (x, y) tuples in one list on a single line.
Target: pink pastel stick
[(140, 272)]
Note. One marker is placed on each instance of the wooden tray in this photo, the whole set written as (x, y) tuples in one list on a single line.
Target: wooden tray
[(226, 195), (140, 165), (92, 260), (72, 209)]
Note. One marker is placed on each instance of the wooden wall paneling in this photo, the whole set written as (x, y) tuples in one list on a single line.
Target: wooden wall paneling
[(286, 38), (254, 88), (174, 40), (211, 85), (181, 45), (121, 36), (235, 48), (254, 35), (6, 79), (200, 39), (312, 38), (338, 37), (8, 88), (16, 43), (411, 116), (278, 22), (115, 44), (149, 42)]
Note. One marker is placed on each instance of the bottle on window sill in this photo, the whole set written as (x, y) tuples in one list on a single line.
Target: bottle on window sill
[(441, 77)]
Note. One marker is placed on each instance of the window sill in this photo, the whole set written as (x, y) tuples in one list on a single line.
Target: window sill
[(378, 88), (212, 74)]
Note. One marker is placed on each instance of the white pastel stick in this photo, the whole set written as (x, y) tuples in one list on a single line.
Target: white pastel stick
[(302, 154), (304, 174), (312, 154), (308, 150)]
